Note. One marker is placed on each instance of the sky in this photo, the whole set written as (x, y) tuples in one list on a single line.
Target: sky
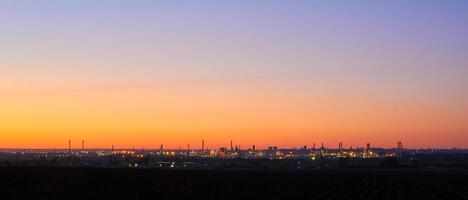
[(142, 73)]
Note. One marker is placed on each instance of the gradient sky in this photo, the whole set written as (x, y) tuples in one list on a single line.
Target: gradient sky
[(286, 73)]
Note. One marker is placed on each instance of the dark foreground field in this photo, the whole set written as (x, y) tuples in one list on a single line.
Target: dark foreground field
[(87, 183)]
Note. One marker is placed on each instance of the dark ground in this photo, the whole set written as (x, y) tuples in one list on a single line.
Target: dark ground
[(98, 183)]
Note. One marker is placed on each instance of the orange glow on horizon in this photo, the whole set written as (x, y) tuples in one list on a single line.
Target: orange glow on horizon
[(146, 118)]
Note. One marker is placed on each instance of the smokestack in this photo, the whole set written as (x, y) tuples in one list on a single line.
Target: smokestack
[(231, 146), (203, 145), (314, 146), (253, 147), (112, 149), (69, 146), (368, 148), (82, 146)]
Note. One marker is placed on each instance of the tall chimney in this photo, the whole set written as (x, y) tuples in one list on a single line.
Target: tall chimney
[(203, 145)]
